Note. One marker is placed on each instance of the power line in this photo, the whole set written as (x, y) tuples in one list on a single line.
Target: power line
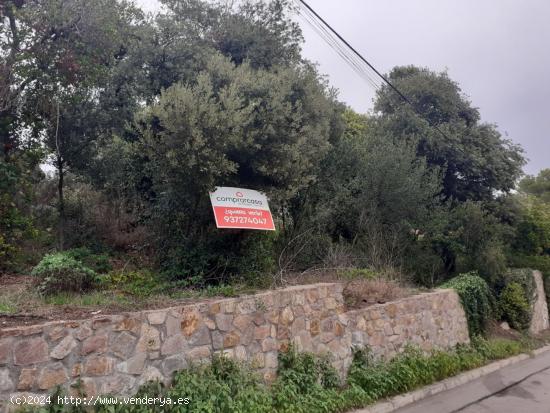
[(314, 16), (337, 46)]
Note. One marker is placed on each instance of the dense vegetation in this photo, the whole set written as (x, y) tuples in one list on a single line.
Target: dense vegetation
[(308, 384), (140, 116)]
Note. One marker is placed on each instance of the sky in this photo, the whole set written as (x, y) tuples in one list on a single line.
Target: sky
[(497, 50)]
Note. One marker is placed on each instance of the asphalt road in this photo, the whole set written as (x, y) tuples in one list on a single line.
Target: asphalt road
[(521, 388)]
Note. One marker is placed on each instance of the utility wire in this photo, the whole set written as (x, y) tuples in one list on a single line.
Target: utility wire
[(337, 46), (353, 62)]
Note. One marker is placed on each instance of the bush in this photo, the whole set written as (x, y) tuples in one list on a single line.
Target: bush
[(61, 272), (137, 283), (515, 306), (97, 262), (536, 262), (477, 299), (413, 368)]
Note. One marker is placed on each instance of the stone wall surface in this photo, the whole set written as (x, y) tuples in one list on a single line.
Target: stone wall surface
[(115, 354), (540, 320)]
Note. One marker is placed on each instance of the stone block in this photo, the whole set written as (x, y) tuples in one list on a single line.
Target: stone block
[(242, 322), (57, 332), (133, 365), (211, 324), (6, 383), (172, 345), (269, 344), (231, 339), (201, 337), (123, 344), (27, 378), (86, 386), (116, 385), (51, 376), (173, 325), (173, 364), (31, 351), (286, 317), (224, 322), (271, 361), (240, 353), (315, 327), (64, 348), (190, 322), (262, 332), (6, 349), (247, 306), (83, 332), (199, 354), (94, 344), (129, 323), (156, 317), (150, 374), (98, 366), (149, 339)]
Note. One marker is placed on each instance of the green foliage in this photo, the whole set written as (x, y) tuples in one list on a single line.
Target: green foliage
[(97, 262), (536, 262), (372, 195), (538, 186), (496, 348), (16, 221), (477, 161), (137, 283), (533, 228), (236, 126), (61, 272), (477, 299), (515, 306), (413, 368), (308, 384)]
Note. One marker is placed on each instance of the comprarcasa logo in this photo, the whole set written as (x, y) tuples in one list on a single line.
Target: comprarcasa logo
[(239, 199)]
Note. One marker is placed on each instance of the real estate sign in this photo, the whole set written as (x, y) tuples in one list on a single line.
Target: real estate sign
[(241, 208)]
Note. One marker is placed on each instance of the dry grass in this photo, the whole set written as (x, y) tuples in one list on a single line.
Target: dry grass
[(363, 293)]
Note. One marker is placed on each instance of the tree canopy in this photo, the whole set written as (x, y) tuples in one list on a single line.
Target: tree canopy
[(478, 162)]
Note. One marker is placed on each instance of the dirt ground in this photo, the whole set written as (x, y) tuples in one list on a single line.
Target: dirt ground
[(21, 305)]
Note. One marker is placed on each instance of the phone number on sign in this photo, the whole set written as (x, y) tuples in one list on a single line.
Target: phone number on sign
[(245, 220)]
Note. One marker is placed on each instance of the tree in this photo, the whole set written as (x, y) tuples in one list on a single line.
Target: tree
[(538, 186), (478, 162), (59, 54), (372, 196), (231, 126)]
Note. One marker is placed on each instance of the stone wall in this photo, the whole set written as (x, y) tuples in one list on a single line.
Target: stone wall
[(540, 306), (117, 353)]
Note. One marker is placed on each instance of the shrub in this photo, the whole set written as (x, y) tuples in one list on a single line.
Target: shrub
[(137, 283), (413, 368), (97, 262), (496, 348), (536, 262), (61, 272), (515, 306), (477, 300)]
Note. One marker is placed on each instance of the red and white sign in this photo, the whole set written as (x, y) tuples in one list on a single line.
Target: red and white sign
[(241, 208)]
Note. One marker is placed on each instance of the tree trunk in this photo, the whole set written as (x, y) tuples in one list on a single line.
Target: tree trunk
[(60, 204), (60, 176)]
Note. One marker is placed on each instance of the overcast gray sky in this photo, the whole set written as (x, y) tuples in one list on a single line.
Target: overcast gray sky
[(497, 50)]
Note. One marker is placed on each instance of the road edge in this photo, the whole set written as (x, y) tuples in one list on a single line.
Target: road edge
[(402, 400)]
